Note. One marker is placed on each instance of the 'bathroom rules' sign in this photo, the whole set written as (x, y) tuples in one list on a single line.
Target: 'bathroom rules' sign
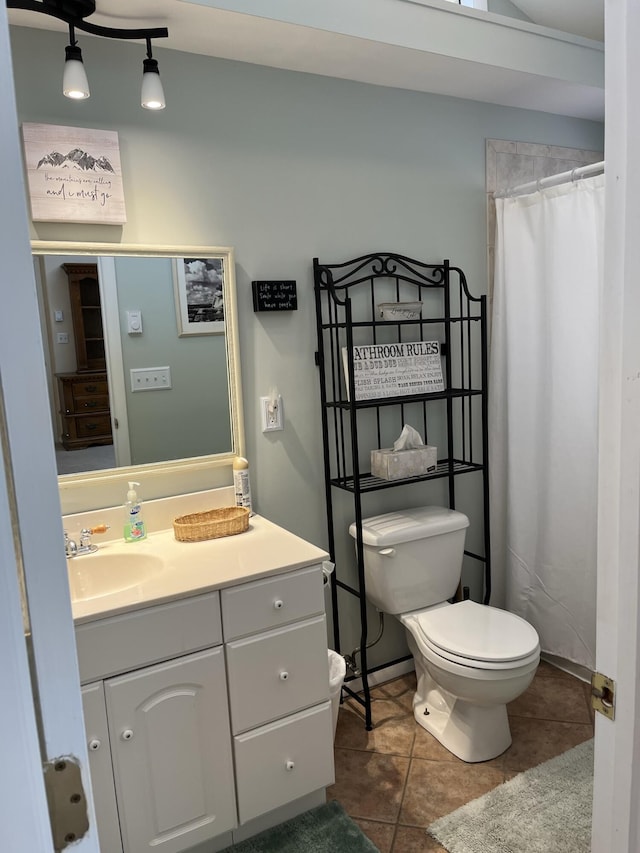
[(395, 370)]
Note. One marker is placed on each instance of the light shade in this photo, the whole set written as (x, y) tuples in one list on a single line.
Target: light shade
[(152, 97), (74, 81)]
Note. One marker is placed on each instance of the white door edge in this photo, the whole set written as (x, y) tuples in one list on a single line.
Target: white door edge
[(31, 527), (115, 363), (617, 744)]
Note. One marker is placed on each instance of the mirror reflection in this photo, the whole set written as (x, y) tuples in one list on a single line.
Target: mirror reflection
[(138, 350)]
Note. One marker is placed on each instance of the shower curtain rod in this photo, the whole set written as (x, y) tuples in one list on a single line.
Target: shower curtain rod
[(562, 178)]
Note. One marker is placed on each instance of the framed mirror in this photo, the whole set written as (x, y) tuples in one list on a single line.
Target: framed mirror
[(142, 360)]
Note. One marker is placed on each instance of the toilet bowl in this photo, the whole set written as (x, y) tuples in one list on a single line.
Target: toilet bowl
[(471, 659)]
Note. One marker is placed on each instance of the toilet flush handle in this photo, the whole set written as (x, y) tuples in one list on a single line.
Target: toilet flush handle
[(387, 552)]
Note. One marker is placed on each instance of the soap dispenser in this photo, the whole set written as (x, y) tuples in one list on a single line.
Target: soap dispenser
[(134, 529)]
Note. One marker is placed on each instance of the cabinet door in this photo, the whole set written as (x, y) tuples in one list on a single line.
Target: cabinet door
[(104, 794), (171, 748)]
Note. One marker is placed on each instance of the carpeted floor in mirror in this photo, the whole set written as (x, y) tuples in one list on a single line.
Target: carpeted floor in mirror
[(397, 780)]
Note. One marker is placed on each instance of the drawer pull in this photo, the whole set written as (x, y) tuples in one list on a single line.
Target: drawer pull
[(94, 744), (278, 604), (90, 389), (284, 675), (127, 734), (290, 765)]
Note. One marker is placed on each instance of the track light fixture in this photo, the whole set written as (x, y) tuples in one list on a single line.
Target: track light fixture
[(74, 13), (74, 80), (152, 92)]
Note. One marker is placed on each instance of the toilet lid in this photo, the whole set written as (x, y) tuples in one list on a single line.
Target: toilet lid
[(478, 632)]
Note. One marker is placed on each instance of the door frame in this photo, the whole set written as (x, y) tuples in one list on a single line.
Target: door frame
[(25, 822), (617, 744), (38, 527), (31, 528)]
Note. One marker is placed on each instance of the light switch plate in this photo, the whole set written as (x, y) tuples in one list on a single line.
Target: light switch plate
[(134, 322), (150, 378)]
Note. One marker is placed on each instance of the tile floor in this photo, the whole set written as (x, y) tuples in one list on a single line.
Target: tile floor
[(396, 779)]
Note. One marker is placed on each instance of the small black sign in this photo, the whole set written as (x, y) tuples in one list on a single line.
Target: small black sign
[(274, 296)]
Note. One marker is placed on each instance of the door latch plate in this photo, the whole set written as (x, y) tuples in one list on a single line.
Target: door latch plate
[(67, 802), (603, 695)]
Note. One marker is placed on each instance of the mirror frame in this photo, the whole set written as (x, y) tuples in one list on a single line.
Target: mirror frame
[(102, 488)]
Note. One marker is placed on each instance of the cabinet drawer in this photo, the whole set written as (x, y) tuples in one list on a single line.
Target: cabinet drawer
[(89, 426), (283, 761), (90, 387), (99, 403), (274, 601), (274, 674), (122, 643)]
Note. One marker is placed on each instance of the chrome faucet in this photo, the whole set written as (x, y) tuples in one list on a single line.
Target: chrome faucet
[(72, 549)]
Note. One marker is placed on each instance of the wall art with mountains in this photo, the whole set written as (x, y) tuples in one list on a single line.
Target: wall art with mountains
[(74, 174)]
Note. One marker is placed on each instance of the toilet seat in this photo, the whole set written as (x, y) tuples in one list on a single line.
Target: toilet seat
[(478, 636)]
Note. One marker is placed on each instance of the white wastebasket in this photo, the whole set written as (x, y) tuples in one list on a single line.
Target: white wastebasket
[(337, 672)]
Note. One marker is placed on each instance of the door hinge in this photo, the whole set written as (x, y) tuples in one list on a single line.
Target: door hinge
[(603, 695), (67, 801)]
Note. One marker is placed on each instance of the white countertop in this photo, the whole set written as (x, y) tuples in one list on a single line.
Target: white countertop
[(191, 568)]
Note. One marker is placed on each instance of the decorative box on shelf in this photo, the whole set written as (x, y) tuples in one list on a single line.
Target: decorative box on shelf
[(400, 310), (390, 464)]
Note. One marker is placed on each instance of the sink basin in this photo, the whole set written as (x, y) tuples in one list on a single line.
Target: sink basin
[(100, 574)]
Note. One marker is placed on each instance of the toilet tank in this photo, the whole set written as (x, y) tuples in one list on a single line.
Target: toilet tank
[(412, 558)]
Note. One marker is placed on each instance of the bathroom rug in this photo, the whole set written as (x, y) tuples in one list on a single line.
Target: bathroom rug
[(325, 829), (546, 809)]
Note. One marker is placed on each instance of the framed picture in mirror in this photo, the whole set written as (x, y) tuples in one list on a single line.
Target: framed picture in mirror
[(199, 292)]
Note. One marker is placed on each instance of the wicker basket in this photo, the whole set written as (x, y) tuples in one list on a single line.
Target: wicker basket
[(212, 524)]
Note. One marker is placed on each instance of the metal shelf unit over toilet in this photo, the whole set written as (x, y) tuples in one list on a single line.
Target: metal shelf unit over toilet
[(347, 296)]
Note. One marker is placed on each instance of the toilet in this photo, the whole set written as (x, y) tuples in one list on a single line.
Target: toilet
[(471, 659)]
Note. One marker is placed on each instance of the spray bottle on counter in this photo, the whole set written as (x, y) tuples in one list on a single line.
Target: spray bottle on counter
[(134, 527), (241, 484)]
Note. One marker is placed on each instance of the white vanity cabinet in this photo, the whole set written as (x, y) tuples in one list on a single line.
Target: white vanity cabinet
[(158, 736), (276, 644), (207, 713)]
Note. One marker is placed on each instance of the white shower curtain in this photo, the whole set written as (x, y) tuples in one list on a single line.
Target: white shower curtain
[(543, 387)]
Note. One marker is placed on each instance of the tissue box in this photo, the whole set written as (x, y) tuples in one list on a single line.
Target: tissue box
[(390, 464)]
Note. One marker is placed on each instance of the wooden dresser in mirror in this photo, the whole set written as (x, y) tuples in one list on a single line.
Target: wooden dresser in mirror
[(84, 394)]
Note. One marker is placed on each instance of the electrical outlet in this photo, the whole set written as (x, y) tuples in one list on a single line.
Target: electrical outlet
[(272, 414), (150, 378), (62, 337)]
